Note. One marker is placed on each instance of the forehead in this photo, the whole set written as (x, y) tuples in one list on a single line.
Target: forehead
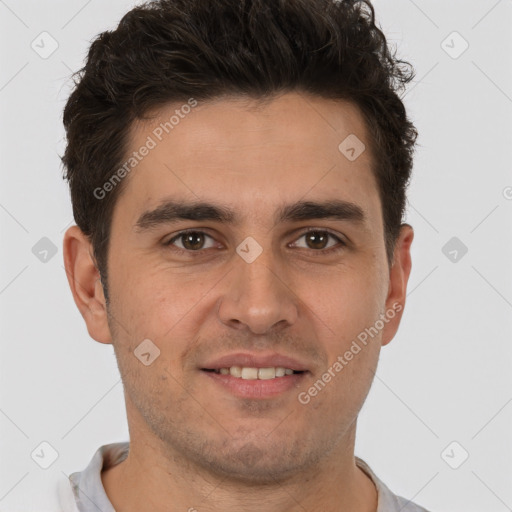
[(251, 156), (241, 124)]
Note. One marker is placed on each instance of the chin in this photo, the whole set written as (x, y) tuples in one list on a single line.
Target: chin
[(255, 464)]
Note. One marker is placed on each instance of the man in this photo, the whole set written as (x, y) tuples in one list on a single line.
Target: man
[(238, 174)]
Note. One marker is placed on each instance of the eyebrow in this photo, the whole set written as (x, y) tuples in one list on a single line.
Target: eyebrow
[(171, 211)]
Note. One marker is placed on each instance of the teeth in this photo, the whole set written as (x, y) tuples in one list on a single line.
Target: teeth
[(247, 373), (266, 373), (235, 371), (281, 372)]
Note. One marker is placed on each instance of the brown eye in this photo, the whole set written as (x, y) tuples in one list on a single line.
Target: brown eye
[(317, 240), (190, 240)]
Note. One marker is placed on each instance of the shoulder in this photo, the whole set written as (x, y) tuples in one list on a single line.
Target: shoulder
[(406, 505), (76, 492), (66, 496), (387, 500)]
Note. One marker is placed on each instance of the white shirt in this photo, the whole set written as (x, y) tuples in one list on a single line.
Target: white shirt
[(84, 491)]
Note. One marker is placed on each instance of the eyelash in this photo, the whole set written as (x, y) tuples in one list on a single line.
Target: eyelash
[(319, 252)]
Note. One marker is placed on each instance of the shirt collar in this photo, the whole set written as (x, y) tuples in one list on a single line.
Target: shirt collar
[(90, 494)]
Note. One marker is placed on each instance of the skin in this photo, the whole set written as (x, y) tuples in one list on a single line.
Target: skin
[(193, 445)]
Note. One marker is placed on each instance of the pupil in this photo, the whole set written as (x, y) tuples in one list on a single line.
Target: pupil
[(189, 240), (317, 235)]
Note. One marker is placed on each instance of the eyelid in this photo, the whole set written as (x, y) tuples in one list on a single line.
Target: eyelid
[(323, 230), (183, 232), (341, 241)]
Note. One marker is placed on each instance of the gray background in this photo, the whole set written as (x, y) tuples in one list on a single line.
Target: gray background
[(445, 377)]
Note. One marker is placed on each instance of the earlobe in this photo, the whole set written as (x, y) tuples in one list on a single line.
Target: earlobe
[(398, 279), (84, 281)]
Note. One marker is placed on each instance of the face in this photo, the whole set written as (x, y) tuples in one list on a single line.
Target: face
[(257, 281)]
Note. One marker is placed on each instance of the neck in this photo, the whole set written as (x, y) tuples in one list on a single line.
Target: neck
[(153, 478)]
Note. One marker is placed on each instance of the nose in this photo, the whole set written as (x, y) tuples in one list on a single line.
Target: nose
[(257, 296)]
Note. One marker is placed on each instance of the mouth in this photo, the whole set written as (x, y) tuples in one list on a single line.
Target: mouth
[(253, 373), (256, 375)]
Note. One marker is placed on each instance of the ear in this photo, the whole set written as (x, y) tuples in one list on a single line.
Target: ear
[(84, 281), (398, 278)]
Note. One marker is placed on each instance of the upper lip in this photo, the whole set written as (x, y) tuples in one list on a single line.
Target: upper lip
[(255, 360)]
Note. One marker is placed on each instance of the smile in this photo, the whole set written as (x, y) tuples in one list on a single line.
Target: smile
[(249, 373)]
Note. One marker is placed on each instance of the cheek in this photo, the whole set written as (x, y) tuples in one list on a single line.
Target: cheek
[(154, 299), (353, 350), (171, 310), (344, 304)]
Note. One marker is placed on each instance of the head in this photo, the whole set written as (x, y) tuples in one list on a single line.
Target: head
[(240, 109)]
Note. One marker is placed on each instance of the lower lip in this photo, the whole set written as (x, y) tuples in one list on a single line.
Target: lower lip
[(257, 388)]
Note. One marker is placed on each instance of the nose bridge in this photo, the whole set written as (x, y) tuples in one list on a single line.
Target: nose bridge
[(257, 294), (260, 277), (259, 281), (257, 264)]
